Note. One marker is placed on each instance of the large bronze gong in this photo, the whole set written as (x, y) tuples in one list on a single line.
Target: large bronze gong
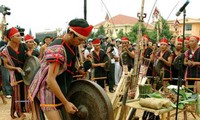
[(31, 66), (91, 100)]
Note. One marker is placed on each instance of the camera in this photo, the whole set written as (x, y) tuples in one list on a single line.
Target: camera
[(21, 30), (4, 10)]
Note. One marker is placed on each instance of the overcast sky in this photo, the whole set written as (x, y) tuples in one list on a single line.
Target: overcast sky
[(39, 15)]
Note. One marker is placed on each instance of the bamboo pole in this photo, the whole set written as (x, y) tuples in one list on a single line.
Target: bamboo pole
[(138, 56), (139, 51)]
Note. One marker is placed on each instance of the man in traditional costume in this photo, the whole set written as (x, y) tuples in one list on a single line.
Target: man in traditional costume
[(29, 40), (98, 56), (175, 68), (165, 56), (192, 61), (127, 56), (15, 55), (114, 56), (51, 82), (147, 55)]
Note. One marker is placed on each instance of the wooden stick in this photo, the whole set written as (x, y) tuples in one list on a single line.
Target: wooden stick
[(99, 78), (192, 78), (77, 76)]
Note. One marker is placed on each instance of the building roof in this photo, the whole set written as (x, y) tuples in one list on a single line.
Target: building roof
[(123, 20), (187, 20)]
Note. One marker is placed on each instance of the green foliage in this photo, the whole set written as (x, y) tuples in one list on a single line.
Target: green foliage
[(101, 31), (132, 35), (92, 35), (152, 35), (120, 34), (164, 31)]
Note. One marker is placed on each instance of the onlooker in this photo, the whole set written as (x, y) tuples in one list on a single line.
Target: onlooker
[(47, 40), (7, 89), (29, 40), (192, 61), (98, 64)]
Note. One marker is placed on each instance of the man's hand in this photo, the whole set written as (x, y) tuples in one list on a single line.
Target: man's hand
[(18, 69), (190, 63), (125, 49), (70, 108), (82, 72), (102, 64)]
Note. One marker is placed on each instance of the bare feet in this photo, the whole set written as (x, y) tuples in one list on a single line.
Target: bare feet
[(13, 117), (22, 116), (4, 102), (3, 99)]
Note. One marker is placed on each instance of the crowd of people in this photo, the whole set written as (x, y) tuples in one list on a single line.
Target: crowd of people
[(60, 62)]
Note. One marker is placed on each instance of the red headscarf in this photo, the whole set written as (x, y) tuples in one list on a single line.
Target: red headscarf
[(82, 32), (28, 38), (180, 40), (147, 37), (125, 39), (96, 41), (12, 32), (164, 41), (187, 38), (197, 38)]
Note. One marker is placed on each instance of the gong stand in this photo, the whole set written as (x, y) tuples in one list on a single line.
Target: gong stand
[(181, 61)]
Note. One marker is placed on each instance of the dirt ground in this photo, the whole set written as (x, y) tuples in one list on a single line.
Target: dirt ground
[(5, 112)]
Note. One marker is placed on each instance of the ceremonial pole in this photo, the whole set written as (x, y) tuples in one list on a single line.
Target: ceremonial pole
[(138, 50), (138, 57)]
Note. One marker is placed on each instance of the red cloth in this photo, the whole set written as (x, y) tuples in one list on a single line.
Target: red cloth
[(125, 39), (96, 41), (147, 37), (164, 41), (180, 40), (82, 32), (187, 38), (197, 38), (12, 32), (28, 38)]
